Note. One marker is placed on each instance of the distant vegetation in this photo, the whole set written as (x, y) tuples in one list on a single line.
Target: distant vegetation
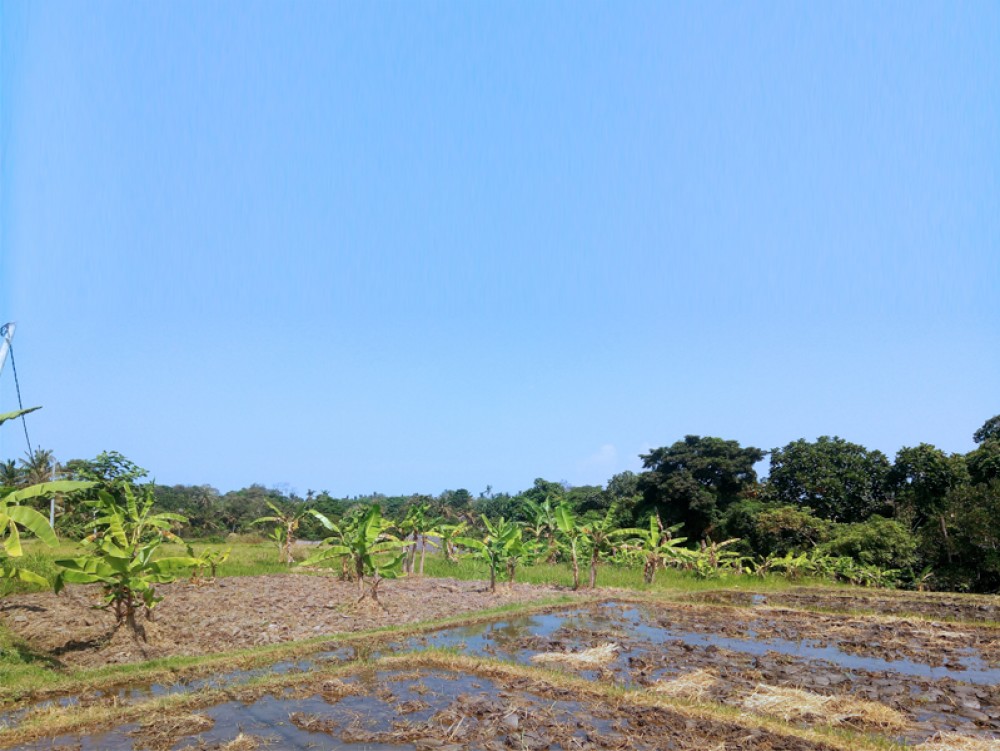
[(830, 508)]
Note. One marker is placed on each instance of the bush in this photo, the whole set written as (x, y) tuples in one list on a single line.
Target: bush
[(879, 541)]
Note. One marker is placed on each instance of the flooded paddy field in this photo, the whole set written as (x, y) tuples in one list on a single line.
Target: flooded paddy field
[(944, 606), (428, 709), (904, 679)]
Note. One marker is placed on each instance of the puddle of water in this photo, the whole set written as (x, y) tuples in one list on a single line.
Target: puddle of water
[(376, 709)]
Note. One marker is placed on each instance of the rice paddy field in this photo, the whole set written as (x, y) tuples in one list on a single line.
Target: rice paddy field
[(276, 660)]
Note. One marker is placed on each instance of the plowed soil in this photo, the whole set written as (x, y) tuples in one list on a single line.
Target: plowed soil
[(240, 612)]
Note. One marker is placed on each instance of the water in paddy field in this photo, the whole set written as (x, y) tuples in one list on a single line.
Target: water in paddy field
[(951, 696), (388, 711)]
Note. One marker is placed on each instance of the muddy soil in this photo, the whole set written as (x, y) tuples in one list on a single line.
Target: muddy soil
[(944, 606), (664, 643), (935, 644), (436, 709), (240, 612)]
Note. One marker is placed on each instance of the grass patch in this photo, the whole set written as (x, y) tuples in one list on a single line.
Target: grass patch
[(611, 575)]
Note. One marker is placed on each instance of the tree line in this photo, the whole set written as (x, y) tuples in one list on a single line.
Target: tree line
[(930, 516)]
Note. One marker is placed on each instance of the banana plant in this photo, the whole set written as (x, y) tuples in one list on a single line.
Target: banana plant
[(502, 541), (794, 566), (16, 519), (657, 547), (286, 524), (210, 559), (601, 540), (121, 555), (713, 559), (544, 527), (369, 547), (420, 525), (448, 533), (573, 535)]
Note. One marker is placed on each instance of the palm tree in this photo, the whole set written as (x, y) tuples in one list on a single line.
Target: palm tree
[(10, 475), (38, 466)]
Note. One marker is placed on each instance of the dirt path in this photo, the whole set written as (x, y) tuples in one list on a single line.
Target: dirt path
[(241, 612)]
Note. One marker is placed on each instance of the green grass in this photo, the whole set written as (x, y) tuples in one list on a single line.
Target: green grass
[(246, 558), (610, 575)]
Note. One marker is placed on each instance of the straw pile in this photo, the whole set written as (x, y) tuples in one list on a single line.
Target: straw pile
[(593, 657), (240, 743), (692, 686), (957, 742), (793, 704)]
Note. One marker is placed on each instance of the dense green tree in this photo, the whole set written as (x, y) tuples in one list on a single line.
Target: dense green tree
[(238, 508), (496, 505), (838, 480), (788, 529), (921, 479), (109, 468), (542, 489), (984, 462), (456, 501), (695, 480), (200, 504), (623, 494), (588, 500), (976, 538), (990, 431), (878, 542)]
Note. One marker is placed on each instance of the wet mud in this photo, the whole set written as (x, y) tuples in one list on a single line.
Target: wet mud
[(933, 605), (938, 677), (439, 710)]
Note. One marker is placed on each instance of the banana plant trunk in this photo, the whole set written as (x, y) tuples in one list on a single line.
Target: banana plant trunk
[(649, 570), (423, 552), (593, 568), (576, 567), (359, 571)]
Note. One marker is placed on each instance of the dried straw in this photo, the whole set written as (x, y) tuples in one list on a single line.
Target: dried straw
[(693, 686), (791, 704), (595, 656), (958, 742)]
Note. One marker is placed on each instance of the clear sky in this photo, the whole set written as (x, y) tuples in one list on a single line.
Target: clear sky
[(412, 246)]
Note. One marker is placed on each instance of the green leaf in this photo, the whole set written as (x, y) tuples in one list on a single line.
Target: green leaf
[(14, 415), (323, 519), (13, 542), (34, 522), (47, 488), (31, 577)]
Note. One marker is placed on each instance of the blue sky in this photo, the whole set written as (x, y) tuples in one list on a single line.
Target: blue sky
[(415, 246)]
